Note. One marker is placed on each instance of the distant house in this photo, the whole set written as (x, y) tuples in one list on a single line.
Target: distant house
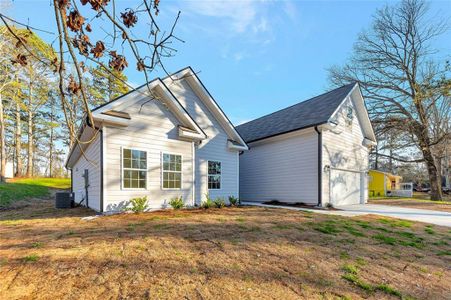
[(174, 141), (314, 152), (381, 183)]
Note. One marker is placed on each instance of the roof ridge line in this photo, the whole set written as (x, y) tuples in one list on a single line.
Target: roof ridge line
[(302, 102)]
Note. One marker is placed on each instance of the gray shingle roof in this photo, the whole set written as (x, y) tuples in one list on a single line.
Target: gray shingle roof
[(311, 112)]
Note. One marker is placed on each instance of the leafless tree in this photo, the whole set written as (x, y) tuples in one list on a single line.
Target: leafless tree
[(146, 47), (403, 85)]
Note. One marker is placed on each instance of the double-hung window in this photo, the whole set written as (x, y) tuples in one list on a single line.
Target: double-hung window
[(134, 169), (172, 171), (214, 175)]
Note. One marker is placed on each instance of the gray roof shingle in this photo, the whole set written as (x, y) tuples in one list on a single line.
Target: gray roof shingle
[(311, 112)]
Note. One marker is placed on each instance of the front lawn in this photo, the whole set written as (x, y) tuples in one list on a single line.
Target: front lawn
[(227, 253), (23, 188)]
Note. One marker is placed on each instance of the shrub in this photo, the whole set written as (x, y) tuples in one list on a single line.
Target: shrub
[(177, 202), (219, 202), (233, 200), (138, 204), (208, 203)]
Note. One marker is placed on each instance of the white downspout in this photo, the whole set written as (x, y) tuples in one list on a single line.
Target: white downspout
[(193, 155)]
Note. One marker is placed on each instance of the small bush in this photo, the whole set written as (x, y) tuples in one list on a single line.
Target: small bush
[(208, 203), (138, 204), (177, 202), (219, 202), (233, 200)]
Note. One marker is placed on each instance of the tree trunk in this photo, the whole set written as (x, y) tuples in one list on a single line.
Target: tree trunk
[(30, 144), (51, 148), (18, 142), (2, 142)]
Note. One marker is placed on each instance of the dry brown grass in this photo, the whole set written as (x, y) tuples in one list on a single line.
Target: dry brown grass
[(225, 253), (415, 203)]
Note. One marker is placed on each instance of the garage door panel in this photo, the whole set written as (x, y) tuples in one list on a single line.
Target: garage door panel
[(345, 187)]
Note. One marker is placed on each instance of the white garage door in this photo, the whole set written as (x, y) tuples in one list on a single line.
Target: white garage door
[(345, 187)]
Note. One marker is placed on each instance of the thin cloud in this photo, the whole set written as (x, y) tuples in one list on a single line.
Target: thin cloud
[(239, 16)]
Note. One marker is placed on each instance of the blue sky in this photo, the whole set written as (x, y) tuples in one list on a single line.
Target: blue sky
[(255, 57)]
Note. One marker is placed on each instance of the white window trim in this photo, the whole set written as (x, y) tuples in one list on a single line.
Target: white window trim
[(122, 169), (162, 171), (220, 177)]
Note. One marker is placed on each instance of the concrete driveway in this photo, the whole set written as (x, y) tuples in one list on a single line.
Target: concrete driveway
[(421, 215), (413, 214)]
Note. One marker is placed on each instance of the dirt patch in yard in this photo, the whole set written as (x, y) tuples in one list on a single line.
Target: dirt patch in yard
[(225, 253), (415, 203)]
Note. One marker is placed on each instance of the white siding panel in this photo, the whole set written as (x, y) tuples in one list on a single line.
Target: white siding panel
[(282, 168), (342, 148), (91, 162), (153, 128), (212, 148)]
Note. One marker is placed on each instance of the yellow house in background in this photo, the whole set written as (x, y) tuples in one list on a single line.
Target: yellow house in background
[(379, 183)]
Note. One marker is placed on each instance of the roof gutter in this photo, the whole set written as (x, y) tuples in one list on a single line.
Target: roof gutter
[(320, 164)]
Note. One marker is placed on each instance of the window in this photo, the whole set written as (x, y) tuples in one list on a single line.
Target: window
[(214, 175), (172, 171), (134, 169)]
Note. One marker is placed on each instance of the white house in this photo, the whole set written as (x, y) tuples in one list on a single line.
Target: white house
[(167, 138), (314, 152)]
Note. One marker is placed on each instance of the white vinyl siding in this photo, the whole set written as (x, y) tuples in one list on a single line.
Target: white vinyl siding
[(212, 148), (153, 128), (343, 149), (91, 162), (282, 168)]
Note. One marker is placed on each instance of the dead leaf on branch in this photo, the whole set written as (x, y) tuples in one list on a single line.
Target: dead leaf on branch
[(156, 3), (63, 3), (73, 87), (129, 18), (88, 28), (20, 59), (83, 67), (117, 61), (75, 21), (98, 49), (95, 4), (81, 45), (140, 65)]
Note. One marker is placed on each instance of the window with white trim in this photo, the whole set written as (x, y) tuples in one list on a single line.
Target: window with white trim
[(172, 171), (214, 175), (134, 169)]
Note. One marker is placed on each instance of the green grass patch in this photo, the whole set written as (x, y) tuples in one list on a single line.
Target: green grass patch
[(388, 290), (353, 231), (36, 245), (31, 258), (353, 278), (429, 230), (344, 255), (444, 253), (350, 269), (23, 188), (385, 239), (396, 223), (327, 228)]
